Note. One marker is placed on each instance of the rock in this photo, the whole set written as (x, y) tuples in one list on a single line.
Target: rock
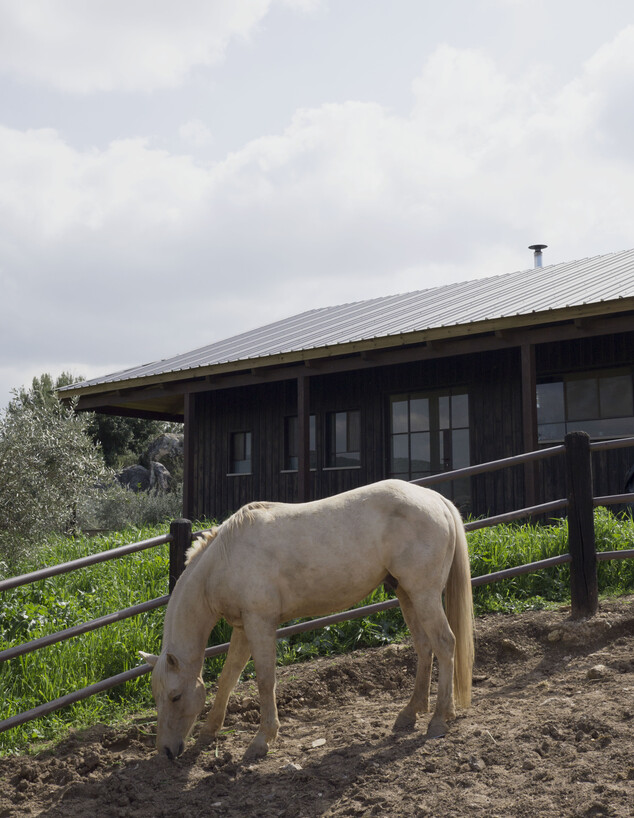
[(168, 445), (598, 672), (511, 648), (291, 767), (136, 478), (160, 478)]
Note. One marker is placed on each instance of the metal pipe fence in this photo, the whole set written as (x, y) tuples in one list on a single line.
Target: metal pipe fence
[(583, 561)]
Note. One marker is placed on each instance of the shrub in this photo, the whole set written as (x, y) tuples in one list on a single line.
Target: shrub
[(115, 507), (49, 465)]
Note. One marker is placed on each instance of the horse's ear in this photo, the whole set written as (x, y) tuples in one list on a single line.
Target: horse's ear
[(150, 658), (172, 661)]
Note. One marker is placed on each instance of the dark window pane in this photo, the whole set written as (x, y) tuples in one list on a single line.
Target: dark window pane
[(460, 449), (550, 402), (399, 416), (615, 396), (420, 454), (240, 453), (459, 411), (582, 399), (550, 432), (606, 427), (419, 415), (444, 419), (343, 434), (400, 454), (353, 441)]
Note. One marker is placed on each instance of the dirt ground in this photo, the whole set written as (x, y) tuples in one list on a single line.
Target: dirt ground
[(550, 733)]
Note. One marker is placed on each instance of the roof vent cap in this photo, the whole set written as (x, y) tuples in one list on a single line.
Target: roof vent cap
[(538, 252)]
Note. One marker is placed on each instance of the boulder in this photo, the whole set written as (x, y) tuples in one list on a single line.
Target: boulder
[(138, 478), (167, 445)]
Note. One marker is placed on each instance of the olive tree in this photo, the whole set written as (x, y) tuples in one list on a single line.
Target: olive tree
[(48, 465)]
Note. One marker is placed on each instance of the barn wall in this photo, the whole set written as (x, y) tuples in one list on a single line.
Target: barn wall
[(609, 468), (493, 380)]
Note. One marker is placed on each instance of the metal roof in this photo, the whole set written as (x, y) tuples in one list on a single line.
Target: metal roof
[(538, 291)]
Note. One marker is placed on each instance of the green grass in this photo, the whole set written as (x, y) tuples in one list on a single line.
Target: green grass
[(60, 602)]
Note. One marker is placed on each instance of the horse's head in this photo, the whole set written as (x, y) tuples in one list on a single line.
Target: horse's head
[(179, 694)]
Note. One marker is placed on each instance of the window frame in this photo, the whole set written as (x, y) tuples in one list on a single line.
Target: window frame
[(330, 437), (247, 447), (568, 422), (438, 425)]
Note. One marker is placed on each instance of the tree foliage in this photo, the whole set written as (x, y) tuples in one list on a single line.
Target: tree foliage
[(123, 441), (49, 464)]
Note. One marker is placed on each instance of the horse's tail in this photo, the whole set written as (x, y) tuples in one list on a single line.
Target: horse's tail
[(459, 608)]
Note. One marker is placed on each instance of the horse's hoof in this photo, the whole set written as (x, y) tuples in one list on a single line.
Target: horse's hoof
[(405, 722), (437, 728), (206, 736), (257, 749)]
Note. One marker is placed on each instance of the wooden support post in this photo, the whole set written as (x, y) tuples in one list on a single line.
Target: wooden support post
[(584, 590), (303, 438), (188, 456), (529, 420), (181, 531)]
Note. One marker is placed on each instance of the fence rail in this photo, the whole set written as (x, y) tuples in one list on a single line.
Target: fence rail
[(582, 556)]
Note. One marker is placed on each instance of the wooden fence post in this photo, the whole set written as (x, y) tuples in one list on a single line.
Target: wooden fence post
[(181, 531), (584, 590)]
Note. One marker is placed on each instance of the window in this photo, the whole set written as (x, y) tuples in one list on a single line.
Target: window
[(240, 453), (343, 439), (291, 442), (599, 403), (429, 433)]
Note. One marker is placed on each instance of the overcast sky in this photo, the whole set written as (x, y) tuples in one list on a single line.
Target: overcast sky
[(173, 173)]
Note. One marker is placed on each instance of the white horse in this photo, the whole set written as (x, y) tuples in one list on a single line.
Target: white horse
[(271, 562)]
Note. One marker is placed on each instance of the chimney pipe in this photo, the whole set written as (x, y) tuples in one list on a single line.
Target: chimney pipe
[(538, 252)]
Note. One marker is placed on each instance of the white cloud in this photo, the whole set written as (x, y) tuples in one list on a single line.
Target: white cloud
[(130, 45), (130, 253), (194, 132)]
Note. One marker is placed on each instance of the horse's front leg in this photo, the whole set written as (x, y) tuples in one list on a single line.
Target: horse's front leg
[(237, 657), (261, 636)]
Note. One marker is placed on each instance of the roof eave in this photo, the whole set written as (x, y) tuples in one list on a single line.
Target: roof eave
[(428, 335)]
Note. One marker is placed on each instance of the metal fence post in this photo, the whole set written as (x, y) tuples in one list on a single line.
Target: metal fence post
[(584, 590), (181, 531)]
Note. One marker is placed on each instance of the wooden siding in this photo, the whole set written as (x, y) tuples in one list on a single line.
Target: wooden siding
[(585, 354), (261, 409), (492, 379)]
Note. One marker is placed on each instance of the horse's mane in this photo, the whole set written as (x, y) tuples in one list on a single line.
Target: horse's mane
[(199, 546), (242, 517)]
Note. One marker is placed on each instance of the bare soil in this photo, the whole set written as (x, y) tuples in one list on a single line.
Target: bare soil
[(550, 733)]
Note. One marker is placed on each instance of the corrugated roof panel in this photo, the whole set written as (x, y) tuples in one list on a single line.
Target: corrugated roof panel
[(593, 280)]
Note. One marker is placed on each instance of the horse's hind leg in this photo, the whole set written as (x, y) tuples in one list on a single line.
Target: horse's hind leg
[(429, 612), (261, 636), (237, 657), (419, 702)]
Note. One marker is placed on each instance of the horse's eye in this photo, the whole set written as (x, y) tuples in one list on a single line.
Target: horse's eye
[(176, 698)]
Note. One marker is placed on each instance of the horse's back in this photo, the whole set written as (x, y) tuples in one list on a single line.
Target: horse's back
[(311, 558)]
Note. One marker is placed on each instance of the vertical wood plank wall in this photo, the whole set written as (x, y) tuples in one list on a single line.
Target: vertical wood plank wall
[(493, 380)]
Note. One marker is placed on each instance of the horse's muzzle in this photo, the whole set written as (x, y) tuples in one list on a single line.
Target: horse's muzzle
[(171, 755)]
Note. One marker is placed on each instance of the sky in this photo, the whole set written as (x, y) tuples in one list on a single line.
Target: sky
[(175, 173)]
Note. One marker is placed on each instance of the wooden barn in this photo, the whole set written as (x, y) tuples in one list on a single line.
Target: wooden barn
[(405, 386)]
